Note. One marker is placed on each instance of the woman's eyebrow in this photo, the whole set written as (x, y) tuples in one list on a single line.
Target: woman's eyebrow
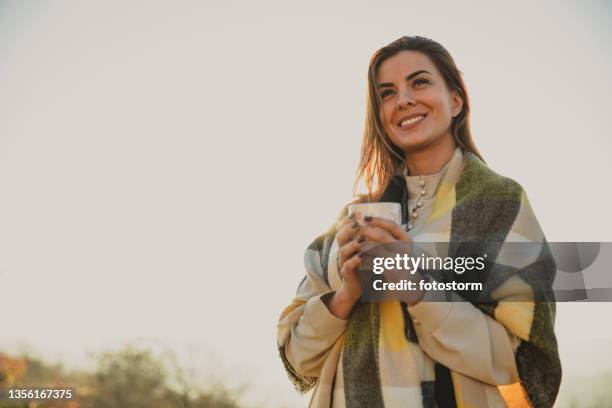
[(408, 78)]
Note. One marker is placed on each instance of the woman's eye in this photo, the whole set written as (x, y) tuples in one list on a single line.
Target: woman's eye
[(385, 93), (420, 81)]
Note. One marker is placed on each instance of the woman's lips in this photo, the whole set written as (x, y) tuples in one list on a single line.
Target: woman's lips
[(413, 124)]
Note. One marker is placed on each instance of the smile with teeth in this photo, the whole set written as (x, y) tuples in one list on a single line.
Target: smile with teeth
[(411, 121)]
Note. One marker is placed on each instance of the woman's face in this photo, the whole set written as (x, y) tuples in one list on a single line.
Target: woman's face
[(417, 107)]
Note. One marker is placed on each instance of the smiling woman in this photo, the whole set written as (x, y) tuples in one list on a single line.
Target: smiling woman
[(416, 108), (491, 348), (419, 103)]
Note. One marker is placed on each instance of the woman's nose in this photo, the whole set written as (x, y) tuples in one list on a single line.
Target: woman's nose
[(405, 99)]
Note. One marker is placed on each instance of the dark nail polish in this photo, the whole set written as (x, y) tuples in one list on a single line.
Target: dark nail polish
[(355, 225), (368, 218), (361, 239)]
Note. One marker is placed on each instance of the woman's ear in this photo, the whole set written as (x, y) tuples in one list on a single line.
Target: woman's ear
[(457, 103)]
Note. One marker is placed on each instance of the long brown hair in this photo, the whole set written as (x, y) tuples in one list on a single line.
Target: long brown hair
[(379, 156)]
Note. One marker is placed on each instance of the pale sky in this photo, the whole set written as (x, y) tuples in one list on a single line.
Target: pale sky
[(163, 165)]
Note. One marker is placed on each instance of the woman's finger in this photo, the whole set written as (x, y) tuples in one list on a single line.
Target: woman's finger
[(346, 220), (349, 249), (347, 229), (350, 266), (392, 228), (377, 234)]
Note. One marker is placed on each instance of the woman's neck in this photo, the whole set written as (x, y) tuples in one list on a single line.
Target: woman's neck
[(431, 159)]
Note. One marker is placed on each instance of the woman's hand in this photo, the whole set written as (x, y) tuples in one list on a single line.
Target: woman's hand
[(382, 231), (350, 243)]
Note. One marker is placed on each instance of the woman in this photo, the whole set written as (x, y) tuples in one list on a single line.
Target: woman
[(496, 349)]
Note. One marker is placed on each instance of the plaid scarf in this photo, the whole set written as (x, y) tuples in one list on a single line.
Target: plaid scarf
[(477, 211)]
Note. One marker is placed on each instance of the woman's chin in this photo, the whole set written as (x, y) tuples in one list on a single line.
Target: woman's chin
[(411, 141)]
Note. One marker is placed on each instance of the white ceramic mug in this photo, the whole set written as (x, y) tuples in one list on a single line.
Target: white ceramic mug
[(389, 211)]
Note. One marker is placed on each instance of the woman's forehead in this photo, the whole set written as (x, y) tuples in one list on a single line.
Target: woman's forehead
[(403, 64)]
